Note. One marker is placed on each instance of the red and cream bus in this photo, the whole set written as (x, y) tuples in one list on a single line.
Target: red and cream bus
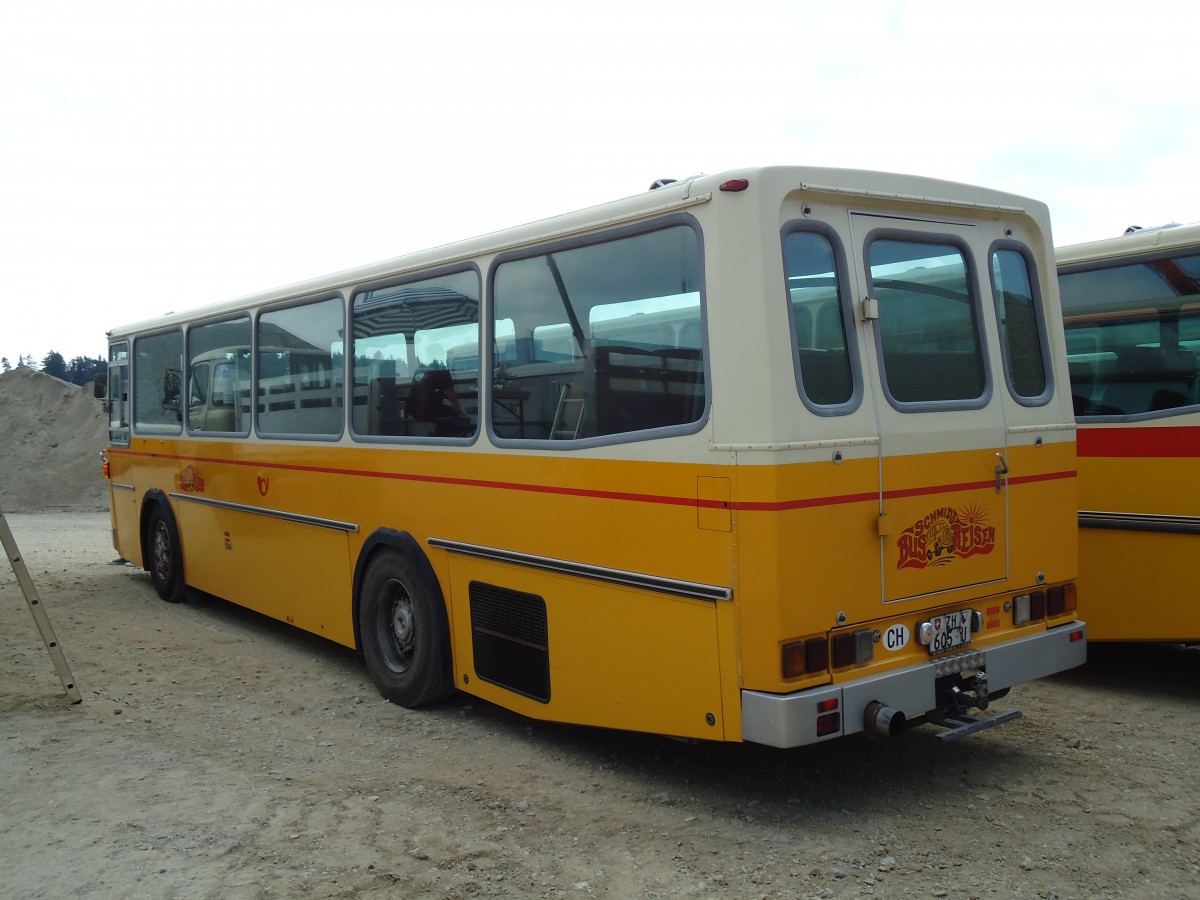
[(776, 455), (1132, 308)]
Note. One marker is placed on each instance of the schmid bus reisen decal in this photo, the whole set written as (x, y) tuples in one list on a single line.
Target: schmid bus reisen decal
[(943, 535)]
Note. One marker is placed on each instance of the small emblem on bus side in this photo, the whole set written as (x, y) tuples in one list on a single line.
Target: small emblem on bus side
[(189, 482), (896, 637)]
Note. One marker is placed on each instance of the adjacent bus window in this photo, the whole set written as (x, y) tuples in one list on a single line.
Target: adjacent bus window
[(821, 351), (219, 377), (300, 369), (118, 394), (1022, 334), (606, 338), (928, 329), (416, 358), (1133, 332), (157, 386)]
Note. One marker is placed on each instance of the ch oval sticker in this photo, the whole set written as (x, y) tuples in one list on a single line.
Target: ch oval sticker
[(896, 637)]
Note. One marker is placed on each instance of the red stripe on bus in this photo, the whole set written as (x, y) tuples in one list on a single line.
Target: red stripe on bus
[(750, 506), (1139, 441)]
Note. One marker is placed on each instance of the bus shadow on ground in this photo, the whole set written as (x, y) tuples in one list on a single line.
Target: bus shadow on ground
[(851, 775), (847, 776), (1155, 670)]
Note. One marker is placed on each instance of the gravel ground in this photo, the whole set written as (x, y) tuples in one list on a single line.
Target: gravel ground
[(219, 754)]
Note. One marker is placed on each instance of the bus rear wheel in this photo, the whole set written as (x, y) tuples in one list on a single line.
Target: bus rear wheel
[(165, 556), (404, 632)]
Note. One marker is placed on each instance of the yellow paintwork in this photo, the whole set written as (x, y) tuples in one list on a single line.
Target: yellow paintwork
[(1139, 585), (802, 545)]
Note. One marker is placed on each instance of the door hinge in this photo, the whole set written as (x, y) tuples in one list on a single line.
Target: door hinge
[(869, 308)]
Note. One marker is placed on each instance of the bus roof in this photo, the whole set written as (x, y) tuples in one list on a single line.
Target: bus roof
[(1132, 243), (669, 197)]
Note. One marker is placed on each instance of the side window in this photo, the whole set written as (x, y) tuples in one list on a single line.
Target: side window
[(1022, 332), (1133, 335), (606, 338), (416, 358), (822, 353), (158, 383), (300, 359), (219, 377), (118, 394), (928, 330)]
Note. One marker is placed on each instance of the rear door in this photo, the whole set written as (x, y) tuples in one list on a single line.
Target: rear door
[(944, 515)]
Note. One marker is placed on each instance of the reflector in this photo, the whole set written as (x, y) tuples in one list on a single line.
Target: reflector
[(735, 185)]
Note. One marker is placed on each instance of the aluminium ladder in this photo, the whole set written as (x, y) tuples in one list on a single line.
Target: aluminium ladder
[(38, 610)]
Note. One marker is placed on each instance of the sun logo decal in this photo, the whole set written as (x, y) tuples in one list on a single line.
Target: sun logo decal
[(944, 535)]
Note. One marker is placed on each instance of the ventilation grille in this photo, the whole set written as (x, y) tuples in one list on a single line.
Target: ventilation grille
[(508, 631)]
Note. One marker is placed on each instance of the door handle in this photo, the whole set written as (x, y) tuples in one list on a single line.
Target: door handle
[(1001, 471)]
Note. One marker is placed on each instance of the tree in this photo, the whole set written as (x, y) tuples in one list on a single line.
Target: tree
[(5, 365), (54, 364), (84, 370)]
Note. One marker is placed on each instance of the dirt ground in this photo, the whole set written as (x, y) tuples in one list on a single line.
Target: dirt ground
[(219, 754)]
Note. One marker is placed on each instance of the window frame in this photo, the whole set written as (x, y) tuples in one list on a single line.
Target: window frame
[(971, 277), (483, 334), (1039, 314), (255, 377), (845, 309), (187, 347), (596, 238), (150, 428)]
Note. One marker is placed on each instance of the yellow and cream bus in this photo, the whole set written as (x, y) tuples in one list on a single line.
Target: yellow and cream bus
[(776, 455), (1132, 311)]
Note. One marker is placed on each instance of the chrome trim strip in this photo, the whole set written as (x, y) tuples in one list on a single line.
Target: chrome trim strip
[(332, 524), (123, 487), (768, 446), (1139, 522), (690, 589)]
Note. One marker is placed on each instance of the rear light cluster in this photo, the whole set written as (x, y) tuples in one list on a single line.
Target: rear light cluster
[(1037, 605), (805, 657), (808, 656)]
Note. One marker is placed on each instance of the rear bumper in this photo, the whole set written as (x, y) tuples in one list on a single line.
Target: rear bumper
[(790, 720)]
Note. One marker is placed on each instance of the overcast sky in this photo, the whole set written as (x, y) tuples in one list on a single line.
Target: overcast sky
[(159, 156)]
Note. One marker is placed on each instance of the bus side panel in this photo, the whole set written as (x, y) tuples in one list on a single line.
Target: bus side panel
[(293, 572), (124, 506), (615, 657), (1139, 585)]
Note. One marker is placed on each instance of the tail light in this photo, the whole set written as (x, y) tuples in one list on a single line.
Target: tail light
[(853, 649), (805, 656), (1037, 605), (104, 465), (829, 720)]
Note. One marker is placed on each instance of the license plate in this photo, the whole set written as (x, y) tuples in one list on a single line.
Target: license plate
[(950, 631)]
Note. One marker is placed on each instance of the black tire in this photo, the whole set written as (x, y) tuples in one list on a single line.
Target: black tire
[(404, 632), (164, 556)]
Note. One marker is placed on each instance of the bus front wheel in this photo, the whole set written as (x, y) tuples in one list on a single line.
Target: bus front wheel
[(165, 556), (404, 633)]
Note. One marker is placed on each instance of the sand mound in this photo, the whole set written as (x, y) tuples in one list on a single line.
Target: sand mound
[(51, 435)]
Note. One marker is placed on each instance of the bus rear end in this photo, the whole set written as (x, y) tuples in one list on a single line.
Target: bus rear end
[(906, 536)]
